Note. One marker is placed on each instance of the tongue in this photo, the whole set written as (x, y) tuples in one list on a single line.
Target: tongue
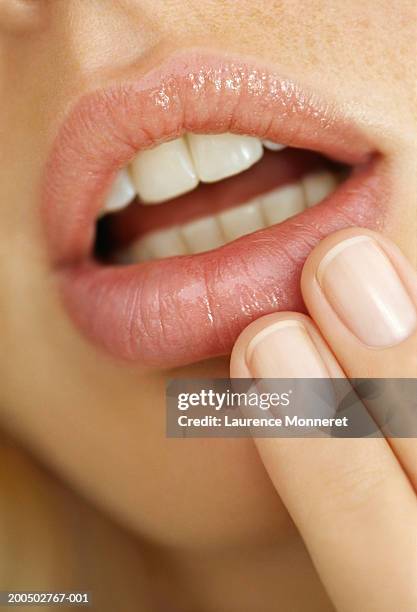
[(273, 171)]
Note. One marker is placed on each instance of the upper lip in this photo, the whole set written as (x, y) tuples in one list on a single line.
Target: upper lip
[(195, 92), (179, 310)]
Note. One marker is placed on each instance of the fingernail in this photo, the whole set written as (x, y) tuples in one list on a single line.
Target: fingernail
[(284, 350), (364, 289)]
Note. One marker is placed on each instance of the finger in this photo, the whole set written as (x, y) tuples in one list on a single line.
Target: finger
[(362, 294), (349, 498)]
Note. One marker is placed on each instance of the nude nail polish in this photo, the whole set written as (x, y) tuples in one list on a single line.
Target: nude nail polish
[(284, 350), (364, 289)]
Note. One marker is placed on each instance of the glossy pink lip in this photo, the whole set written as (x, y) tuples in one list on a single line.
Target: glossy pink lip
[(184, 309)]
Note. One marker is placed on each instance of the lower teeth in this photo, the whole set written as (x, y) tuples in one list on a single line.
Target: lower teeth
[(207, 233)]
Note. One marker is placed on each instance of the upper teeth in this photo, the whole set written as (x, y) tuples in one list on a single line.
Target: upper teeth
[(121, 192), (221, 155), (175, 167), (272, 146), (164, 172)]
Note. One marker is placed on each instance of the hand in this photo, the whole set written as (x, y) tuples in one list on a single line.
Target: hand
[(353, 500)]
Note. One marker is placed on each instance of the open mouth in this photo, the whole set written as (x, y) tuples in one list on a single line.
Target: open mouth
[(208, 190), (181, 207)]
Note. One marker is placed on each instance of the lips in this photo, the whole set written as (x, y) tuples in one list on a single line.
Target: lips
[(183, 309)]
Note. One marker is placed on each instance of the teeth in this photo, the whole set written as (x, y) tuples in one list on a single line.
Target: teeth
[(164, 172), (241, 220), (283, 203), (202, 235), (211, 232), (176, 167), (221, 155), (163, 243), (273, 146), (318, 186), (137, 251), (121, 192)]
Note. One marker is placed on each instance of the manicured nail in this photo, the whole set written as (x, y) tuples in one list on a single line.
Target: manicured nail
[(364, 289), (284, 350)]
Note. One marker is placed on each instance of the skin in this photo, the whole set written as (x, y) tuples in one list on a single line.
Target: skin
[(354, 501), (85, 414)]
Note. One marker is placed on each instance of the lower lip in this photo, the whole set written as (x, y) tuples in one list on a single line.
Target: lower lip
[(184, 309)]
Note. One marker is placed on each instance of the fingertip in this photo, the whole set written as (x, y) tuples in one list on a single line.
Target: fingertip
[(313, 265), (311, 268), (361, 292), (282, 345), (252, 333)]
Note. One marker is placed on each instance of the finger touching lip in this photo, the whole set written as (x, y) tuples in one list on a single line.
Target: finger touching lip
[(183, 309)]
